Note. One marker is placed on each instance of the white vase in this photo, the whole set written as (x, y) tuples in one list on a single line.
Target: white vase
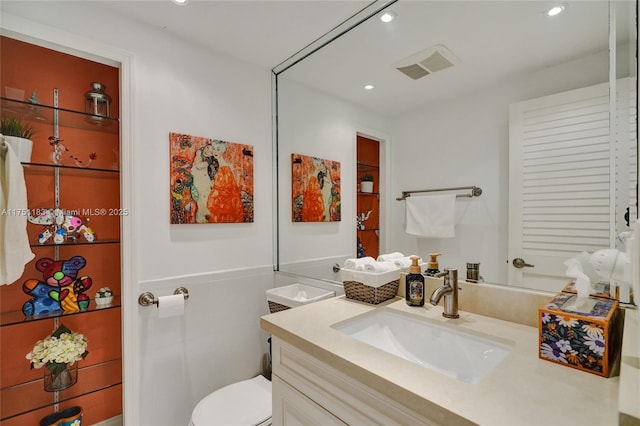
[(366, 186), (104, 300), (21, 147)]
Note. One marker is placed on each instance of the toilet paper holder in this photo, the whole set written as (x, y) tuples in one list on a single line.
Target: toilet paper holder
[(147, 298)]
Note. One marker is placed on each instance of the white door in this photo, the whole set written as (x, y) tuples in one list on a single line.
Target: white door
[(559, 183)]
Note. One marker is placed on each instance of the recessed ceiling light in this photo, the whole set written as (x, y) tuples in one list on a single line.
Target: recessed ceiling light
[(555, 10), (388, 16), (180, 2), (369, 87)]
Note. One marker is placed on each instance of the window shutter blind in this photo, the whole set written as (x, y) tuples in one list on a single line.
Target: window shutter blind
[(565, 175)]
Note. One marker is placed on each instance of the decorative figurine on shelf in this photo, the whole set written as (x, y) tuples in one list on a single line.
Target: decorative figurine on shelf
[(104, 296), (58, 152), (34, 98), (78, 162), (60, 288), (67, 417), (58, 149), (360, 250), (62, 227), (44, 236), (87, 233), (360, 218), (71, 223), (59, 236), (47, 217)]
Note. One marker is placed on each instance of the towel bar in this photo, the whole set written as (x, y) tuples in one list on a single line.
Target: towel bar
[(475, 192)]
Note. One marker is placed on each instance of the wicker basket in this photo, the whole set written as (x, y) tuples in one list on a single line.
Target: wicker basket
[(358, 291), (277, 307)]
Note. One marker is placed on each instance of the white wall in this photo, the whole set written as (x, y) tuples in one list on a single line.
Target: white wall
[(184, 88), (315, 124), (216, 342), (465, 142)]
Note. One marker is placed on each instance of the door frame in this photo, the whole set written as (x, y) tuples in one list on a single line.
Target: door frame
[(42, 35)]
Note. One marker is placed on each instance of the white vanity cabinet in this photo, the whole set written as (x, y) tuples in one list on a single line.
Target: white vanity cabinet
[(306, 391), (292, 407), (323, 376)]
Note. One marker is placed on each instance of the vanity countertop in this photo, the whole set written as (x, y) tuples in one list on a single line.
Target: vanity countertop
[(522, 390)]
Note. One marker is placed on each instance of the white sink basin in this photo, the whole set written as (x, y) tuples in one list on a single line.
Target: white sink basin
[(463, 355), (298, 294)]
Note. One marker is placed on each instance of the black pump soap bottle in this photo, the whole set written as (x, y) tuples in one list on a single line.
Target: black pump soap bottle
[(432, 266), (414, 289)]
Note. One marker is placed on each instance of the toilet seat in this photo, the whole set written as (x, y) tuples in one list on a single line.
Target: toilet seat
[(246, 403)]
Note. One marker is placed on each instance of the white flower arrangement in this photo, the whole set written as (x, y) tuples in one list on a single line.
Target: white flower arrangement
[(104, 292), (58, 350), (104, 296)]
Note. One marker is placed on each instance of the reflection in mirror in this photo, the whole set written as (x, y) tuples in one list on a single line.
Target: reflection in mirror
[(453, 128)]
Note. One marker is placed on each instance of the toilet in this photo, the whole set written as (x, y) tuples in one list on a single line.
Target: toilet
[(246, 403)]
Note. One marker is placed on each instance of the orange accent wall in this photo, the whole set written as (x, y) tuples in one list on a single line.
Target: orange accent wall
[(33, 68)]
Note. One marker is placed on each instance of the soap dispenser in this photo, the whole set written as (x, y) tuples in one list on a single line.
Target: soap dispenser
[(432, 266), (414, 290)]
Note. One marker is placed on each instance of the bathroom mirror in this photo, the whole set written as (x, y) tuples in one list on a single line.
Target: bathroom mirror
[(451, 128)]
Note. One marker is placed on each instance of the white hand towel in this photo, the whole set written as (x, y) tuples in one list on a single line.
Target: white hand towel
[(389, 256), (431, 216), (380, 267), (15, 251), (405, 262), (358, 264)]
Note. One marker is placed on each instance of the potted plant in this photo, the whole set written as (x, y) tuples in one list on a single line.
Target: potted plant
[(104, 296), (18, 135), (366, 183)]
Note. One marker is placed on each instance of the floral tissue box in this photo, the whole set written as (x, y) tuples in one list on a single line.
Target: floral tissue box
[(587, 338)]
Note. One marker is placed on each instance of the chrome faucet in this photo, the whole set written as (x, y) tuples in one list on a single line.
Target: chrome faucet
[(450, 292)]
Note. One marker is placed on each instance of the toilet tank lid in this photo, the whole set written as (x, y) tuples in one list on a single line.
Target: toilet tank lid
[(242, 403)]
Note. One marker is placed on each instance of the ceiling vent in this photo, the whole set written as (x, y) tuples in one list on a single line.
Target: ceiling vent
[(426, 62)]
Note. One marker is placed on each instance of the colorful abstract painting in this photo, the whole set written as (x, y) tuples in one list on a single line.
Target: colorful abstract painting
[(211, 180), (315, 189)]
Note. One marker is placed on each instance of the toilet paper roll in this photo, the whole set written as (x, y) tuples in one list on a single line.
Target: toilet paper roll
[(171, 306)]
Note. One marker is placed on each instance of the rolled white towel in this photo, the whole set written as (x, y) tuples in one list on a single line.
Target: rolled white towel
[(358, 264), (379, 267), (405, 262), (389, 256)]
